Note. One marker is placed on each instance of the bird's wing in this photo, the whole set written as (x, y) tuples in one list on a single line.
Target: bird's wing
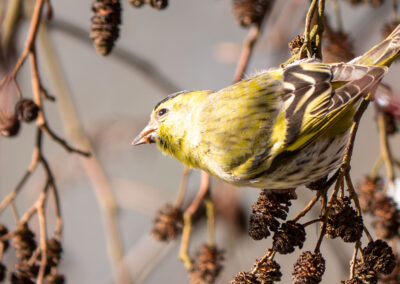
[(248, 127), (235, 121), (320, 99)]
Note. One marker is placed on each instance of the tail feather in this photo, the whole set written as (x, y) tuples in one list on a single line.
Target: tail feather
[(382, 54)]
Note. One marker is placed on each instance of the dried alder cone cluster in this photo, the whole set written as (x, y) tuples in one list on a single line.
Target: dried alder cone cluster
[(107, 19), (249, 12), (28, 259), (167, 223), (105, 25), (37, 256)]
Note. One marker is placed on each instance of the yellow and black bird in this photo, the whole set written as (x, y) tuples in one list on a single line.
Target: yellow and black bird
[(278, 129)]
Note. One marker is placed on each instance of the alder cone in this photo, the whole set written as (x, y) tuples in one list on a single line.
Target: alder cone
[(105, 25)]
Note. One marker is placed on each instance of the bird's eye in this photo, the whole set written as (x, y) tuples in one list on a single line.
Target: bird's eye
[(162, 111)]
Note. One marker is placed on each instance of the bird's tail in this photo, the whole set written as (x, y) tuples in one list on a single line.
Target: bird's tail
[(382, 54)]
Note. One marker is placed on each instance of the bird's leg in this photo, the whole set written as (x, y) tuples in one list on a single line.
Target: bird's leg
[(187, 229), (210, 211), (187, 220), (182, 187)]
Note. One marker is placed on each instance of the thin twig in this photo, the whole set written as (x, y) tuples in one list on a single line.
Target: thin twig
[(34, 256), (307, 42), (325, 211), (312, 222), (247, 50), (10, 22), (182, 187), (377, 166), (204, 186), (353, 131), (59, 223), (354, 196), (320, 21), (187, 219), (93, 168), (41, 121), (321, 191), (344, 168), (43, 238), (352, 193), (353, 260), (63, 142), (385, 148), (14, 211), (2, 244), (52, 185), (268, 255), (30, 41), (17, 88), (369, 237), (308, 207), (11, 196)]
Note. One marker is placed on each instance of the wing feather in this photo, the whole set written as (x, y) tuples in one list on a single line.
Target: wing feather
[(312, 113)]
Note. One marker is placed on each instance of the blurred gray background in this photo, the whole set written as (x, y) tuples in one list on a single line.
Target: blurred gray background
[(195, 45)]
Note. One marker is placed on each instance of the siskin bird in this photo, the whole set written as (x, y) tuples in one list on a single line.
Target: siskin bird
[(278, 129)]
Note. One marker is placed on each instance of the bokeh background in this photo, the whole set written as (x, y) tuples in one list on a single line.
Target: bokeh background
[(190, 45)]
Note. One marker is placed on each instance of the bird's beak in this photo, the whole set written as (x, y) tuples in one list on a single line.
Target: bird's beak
[(147, 136)]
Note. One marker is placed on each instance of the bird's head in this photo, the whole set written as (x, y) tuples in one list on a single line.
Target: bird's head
[(170, 121)]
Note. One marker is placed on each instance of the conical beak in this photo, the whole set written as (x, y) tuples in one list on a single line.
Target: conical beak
[(147, 136)]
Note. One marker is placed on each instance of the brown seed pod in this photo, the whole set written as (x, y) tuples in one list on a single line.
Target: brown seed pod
[(392, 278), (167, 223), (207, 265), (248, 12), (17, 278), (289, 235), (343, 221), (26, 110), (137, 3), (4, 231), (366, 192), (387, 216), (54, 250), (364, 273), (268, 271), (54, 279), (390, 123), (245, 278), (29, 270), (3, 271), (309, 268), (24, 242), (269, 206), (158, 4), (378, 256), (353, 281), (295, 44), (105, 24)]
